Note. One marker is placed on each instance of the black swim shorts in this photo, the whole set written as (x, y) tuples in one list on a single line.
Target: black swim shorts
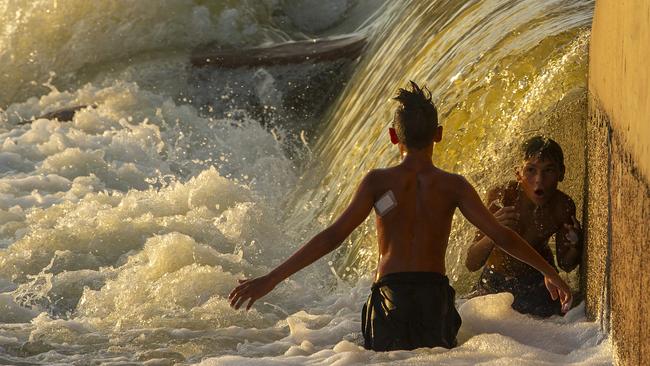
[(409, 310), (529, 291)]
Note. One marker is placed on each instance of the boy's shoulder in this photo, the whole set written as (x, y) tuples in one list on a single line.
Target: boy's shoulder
[(563, 196), (452, 180), (435, 173), (377, 174), (564, 204)]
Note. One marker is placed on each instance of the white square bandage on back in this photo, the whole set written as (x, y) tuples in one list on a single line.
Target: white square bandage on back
[(385, 203)]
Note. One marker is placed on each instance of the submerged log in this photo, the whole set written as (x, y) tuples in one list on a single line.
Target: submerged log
[(315, 50)]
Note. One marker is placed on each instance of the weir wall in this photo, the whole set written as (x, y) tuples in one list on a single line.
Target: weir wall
[(616, 270)]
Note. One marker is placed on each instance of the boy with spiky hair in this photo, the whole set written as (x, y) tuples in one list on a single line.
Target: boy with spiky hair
[(411, 304), (533, 207)]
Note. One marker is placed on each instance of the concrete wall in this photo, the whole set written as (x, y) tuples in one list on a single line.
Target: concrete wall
[(616, 268), (620, 73)]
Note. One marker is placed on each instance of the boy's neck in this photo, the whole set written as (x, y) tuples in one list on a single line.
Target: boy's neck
[(417, 159)]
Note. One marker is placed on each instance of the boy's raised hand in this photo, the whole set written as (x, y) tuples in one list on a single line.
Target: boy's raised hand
[(507, 216), (559, 289), (250, 289), (573, 231)]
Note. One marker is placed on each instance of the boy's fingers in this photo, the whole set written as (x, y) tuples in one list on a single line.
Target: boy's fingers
[(509, 214), (565, 298), (505, 210), (562, 292), (566, 302), (511, 223), (571, 234), (250, 303), (234, 292), (238, 298), (237, 290), (497, 204), (240, 301), (571, 237), (234, 299), (507, 217), (565, 308), (570, 227), (576, 224)]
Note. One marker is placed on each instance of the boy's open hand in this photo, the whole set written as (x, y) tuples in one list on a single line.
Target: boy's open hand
[(572, 231), (559, 289), (507, 216), (250, 289)]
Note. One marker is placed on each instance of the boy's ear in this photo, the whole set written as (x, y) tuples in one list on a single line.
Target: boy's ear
[(437, 136), (562, 169), (393, 136)]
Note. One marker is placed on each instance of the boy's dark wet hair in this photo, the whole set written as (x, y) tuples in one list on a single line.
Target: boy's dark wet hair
[(544, 148), (416, 120)]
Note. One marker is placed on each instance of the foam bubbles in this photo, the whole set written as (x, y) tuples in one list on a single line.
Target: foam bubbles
[(125, 218)]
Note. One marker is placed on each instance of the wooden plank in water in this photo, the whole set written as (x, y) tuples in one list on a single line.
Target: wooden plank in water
[(321, 49)]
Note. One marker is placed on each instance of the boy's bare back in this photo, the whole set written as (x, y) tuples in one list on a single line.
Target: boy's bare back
[(413, 235)]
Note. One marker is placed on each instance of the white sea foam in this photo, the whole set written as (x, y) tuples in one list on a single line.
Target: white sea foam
[(137, 214), (492, 334), (81, 183)]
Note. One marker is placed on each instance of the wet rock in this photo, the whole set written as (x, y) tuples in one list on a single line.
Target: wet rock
[(63, 115)]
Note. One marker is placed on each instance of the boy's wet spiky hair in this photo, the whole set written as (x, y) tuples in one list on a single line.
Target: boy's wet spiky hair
[(544, 148), (416, 119)]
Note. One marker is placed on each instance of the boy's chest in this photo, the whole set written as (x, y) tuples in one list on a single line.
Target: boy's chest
[(536, 225)]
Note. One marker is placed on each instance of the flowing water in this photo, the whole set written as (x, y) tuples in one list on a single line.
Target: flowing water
[(123, 230)]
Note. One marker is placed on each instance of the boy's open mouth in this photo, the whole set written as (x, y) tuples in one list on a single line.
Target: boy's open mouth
[(539, 192)]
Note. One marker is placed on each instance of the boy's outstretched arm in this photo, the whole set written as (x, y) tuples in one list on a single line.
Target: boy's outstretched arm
[(481, 247), (321, 244), (473, 209)]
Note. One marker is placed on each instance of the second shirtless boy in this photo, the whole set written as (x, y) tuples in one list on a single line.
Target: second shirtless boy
[(411, 304), (533, 207)]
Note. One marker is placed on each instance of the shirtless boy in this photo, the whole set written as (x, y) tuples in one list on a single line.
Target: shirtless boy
[(534, 208), (411, 304)]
